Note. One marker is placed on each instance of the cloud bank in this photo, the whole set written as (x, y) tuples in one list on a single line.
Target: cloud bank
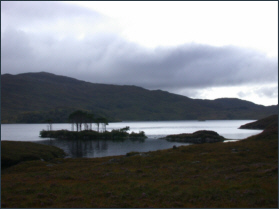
[(72, 41), (109, 59)]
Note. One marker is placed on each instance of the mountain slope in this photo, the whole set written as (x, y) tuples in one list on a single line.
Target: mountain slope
[(264, 123), (35, 97)]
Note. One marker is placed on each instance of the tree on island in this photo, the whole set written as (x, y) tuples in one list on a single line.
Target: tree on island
[(101, 121), (87, 121), (127, 128), (97, 121), (80, 117), (49, 121), (77, 118), (91, 119), (104, 123)]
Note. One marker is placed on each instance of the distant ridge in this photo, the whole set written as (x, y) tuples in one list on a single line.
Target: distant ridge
[(35, 97)]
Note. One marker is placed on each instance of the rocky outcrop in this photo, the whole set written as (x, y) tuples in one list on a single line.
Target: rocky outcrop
[(197, 137)]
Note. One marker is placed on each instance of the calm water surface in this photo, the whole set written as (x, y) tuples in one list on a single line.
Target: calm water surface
[(153, 130)]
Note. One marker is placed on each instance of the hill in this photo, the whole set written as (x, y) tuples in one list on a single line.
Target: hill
[(264, 123), (35, 97)]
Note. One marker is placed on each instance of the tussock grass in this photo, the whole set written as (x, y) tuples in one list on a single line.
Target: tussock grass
[(234, 174)]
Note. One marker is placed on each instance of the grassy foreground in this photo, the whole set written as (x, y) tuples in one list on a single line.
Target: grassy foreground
[(14, 152), (239, 174)]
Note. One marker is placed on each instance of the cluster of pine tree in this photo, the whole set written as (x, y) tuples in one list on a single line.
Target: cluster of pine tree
[(79, 118)]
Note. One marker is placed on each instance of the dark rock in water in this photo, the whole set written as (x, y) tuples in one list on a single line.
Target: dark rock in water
[(197, 137)]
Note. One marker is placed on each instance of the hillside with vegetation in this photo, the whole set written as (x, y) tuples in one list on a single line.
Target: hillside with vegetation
[(264, 123), (37, 97)]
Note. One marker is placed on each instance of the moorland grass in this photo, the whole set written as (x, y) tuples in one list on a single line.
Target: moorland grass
[(234, 174), (14, 152)]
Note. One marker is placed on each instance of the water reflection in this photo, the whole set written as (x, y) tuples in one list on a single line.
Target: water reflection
[(94, 148)]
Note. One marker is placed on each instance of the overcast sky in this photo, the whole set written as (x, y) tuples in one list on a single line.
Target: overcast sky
[(202, 50)]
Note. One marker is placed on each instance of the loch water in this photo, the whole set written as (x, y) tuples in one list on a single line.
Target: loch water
[(101, 148)]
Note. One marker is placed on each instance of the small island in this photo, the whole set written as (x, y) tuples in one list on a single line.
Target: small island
[(119, 134), (81, 119), (197, 137)]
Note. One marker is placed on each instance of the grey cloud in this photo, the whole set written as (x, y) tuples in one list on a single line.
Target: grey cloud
[(19, 12), (104, 57), (196, 66), (15, 45), (243, 94), (261, 92), (268, 92)]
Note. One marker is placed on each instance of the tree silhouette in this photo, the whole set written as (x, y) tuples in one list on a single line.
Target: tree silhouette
[(104, 123), (98, 121), (101, 121), (90, 118), (80, 117), (127, 128), (77, 118), (49, 121)]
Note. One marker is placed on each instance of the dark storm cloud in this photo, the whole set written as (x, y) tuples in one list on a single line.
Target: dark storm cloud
[(104, 57)]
